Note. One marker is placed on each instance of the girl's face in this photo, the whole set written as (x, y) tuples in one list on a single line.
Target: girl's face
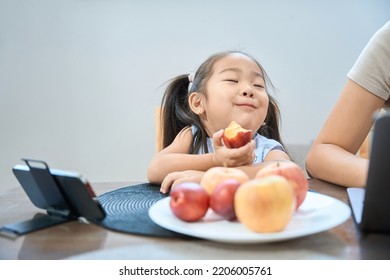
[(235, 91)]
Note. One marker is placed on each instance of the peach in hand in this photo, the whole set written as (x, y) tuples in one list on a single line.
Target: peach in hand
[(235, 136)]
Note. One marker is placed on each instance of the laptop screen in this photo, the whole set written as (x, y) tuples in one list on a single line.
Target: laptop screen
[(375, 198)]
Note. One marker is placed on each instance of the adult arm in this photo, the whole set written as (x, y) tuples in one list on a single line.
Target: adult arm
[(332, 156)]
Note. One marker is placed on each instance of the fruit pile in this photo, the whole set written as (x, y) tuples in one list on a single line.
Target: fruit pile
[(263, 204)]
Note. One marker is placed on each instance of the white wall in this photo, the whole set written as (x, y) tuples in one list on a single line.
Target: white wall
[(79, 80)]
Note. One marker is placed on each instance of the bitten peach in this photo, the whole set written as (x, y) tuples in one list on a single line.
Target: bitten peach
[(235, 136)]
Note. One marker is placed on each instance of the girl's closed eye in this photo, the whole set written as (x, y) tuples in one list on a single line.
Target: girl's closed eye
[(231, 80), (259, 85)]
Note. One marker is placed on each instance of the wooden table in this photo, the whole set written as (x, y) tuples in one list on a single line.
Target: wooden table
[(78, 240)]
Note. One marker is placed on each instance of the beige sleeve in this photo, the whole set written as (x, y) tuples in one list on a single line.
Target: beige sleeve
[(372, 68)]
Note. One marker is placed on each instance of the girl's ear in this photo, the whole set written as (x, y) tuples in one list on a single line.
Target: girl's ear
[(195, 101)]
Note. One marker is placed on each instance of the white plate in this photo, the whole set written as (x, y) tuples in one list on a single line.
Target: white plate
[(318, 213)]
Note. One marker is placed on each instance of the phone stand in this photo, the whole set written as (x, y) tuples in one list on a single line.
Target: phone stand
[(36, 223), (64, 197)]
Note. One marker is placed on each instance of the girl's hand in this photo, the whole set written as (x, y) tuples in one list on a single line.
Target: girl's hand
[(224, 156), (175, 178)]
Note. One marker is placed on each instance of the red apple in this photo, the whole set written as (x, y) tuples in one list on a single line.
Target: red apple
[(293, 173), (235, 136), (215, 175), (189, 201), (222, 198)]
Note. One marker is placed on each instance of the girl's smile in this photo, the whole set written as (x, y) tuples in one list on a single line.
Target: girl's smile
[(246, 105)]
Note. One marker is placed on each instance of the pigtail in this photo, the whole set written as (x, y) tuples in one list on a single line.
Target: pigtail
[(272, 123), (271, 127), (175, 113)]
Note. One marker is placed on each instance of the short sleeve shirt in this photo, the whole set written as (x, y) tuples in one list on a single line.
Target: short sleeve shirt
[(372, 68)]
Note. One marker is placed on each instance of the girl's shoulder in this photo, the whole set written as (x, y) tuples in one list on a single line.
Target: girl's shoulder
[(182, 141), (185, 132), (262, 141), (263, 146)]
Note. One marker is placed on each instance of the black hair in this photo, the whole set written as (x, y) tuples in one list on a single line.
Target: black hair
[(176, 113)]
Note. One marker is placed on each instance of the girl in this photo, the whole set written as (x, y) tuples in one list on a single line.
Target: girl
[(195, 109)]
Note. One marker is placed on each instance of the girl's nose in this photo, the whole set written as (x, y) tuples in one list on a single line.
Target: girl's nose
[(247, 91)]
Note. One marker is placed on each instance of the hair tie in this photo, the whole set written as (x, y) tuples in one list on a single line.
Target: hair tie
[(191, 77)]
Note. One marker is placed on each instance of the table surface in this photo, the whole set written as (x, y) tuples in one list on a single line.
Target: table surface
[(80, 240)]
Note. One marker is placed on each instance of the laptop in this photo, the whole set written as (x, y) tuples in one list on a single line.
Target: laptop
[(371, 205)]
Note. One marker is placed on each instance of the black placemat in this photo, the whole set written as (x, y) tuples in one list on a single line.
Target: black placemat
[(127, 210)]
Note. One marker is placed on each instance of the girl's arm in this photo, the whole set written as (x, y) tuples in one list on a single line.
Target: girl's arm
[(175, 158), (332, 156), (173, 164), (272, 157), (175, 178)]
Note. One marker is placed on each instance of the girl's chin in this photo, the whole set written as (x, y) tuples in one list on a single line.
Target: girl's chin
[(247, 123)]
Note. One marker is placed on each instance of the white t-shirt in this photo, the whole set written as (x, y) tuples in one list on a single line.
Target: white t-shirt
[(372, 68)]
